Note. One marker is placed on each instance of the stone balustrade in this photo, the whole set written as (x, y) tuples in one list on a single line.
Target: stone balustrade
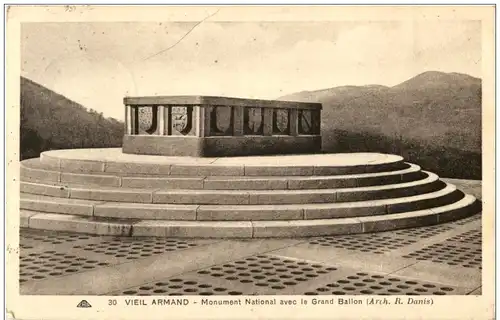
[(220, 126)]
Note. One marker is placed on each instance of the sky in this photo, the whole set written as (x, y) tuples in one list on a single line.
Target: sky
[(97, 64)]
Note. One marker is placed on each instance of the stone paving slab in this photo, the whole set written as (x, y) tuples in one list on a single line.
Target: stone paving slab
[(473, 187), (271, 274), (74, 264), (116, 155), (113, 160)]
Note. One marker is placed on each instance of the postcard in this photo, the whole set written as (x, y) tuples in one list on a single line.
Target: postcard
[(250, 162)]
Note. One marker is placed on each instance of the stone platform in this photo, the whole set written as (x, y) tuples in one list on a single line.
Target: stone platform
[(107, 192)]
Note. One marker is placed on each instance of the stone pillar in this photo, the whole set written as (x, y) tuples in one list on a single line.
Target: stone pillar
[(199, 118), (239, 119), (316, 122), (319, 121), (128, 120), (161, 120), (268, 121), (294, 122), (167, 118), (133, 117), (208, 120)]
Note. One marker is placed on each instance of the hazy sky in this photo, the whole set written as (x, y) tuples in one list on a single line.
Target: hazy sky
[(97, 64)]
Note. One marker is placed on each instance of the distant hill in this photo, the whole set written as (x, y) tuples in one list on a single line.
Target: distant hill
[(51, 121), (433, 119)]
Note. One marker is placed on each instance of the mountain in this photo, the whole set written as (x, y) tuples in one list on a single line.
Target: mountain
[(439, 79), (51, 121), (433, 119)]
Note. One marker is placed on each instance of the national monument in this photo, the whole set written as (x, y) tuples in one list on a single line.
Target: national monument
[(217, 167)]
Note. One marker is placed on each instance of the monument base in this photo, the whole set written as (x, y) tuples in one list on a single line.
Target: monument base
[(220, 146), (104, 191)]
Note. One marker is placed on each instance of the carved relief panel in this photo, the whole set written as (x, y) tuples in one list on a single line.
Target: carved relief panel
[(281, 121), (309, 122), (181, 119), (305, 122), (221, 123), (147, 122), (253, 121)]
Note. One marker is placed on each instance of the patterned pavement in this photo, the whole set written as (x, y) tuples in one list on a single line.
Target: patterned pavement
[(437, 260), (443, 259)]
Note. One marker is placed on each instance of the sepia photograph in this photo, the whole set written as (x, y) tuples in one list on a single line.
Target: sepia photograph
[(334, 159)]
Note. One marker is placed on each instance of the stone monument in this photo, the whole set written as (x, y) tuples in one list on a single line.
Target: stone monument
[(217, 126), (217, 167)]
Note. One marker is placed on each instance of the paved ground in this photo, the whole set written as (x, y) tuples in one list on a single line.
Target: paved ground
[(443, 259)]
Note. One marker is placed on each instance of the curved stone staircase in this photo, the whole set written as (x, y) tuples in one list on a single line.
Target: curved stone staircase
[(103, 191)]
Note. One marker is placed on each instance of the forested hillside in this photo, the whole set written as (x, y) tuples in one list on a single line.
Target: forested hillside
[(52, 121), (433, 119)]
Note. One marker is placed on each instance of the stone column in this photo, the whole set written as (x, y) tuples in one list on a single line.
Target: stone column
[(130, 119), (161, 120), (136, 120), (167, 118), (199, 119), (239, 119), (316, 121), (128, 123), (319, 121), (268, 121), (294, 122), (207, 120)]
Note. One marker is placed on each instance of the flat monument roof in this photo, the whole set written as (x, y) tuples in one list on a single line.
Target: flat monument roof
[(218, 101)]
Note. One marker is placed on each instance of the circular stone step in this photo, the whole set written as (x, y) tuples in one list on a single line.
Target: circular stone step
[(126, 210), (104, 191), (112, 160), (236, 197), (250, 229), (32, 171)]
